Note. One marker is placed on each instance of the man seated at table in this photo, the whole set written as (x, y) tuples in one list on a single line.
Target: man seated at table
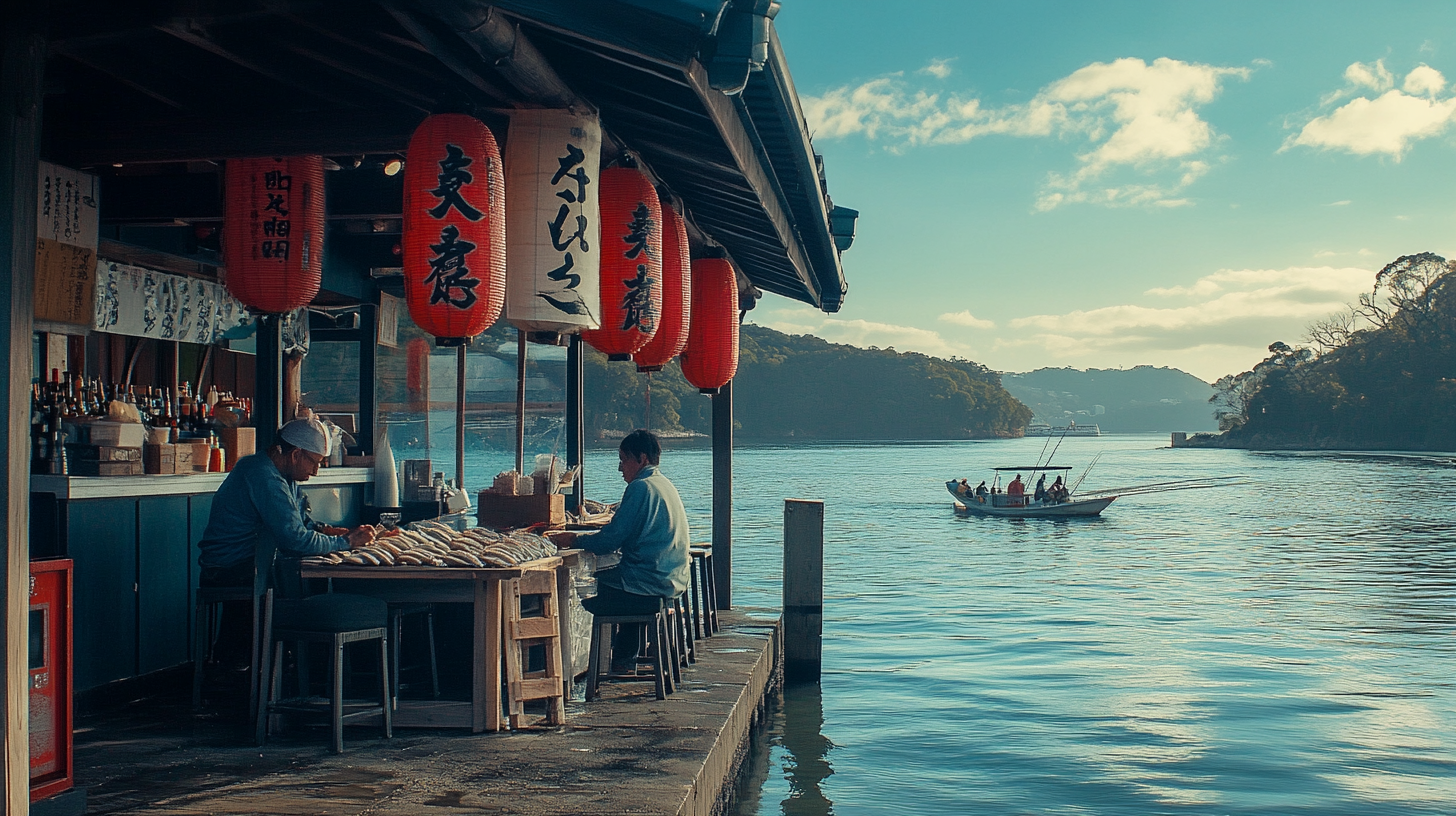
[(262, 496), (650, 528)]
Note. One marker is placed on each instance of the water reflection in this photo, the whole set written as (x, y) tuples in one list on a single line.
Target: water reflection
[(788, 760), (806, 760)]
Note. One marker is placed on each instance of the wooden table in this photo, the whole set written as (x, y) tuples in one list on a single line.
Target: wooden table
[(481, 588)]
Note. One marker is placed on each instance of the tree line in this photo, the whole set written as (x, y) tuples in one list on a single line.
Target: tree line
[(804, 387), (1381, 374)]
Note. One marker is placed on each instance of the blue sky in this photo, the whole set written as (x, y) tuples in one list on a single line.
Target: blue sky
[(1116, 184)]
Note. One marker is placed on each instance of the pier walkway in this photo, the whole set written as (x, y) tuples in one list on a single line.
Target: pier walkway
[(626, 753)]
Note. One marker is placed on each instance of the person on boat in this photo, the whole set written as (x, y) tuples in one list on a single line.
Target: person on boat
[(1016, 489), (981, 488), (1041, 491), (1058, 492)]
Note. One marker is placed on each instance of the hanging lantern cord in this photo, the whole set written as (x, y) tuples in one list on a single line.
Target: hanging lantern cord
[(648, 412)]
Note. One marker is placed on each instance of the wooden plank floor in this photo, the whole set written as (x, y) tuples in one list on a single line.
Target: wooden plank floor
[(626, 753)]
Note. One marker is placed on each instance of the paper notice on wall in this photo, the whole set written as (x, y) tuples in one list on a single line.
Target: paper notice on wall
[(143, 302), (388, 334), (65, 251)]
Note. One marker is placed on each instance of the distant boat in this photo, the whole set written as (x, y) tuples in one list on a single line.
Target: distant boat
[(1072, 429), (998, 503)]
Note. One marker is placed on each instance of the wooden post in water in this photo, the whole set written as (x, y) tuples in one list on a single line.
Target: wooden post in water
[(803, 589), (723, 495)]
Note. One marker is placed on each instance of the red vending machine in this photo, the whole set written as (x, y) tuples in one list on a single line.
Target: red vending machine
[(50, 678)]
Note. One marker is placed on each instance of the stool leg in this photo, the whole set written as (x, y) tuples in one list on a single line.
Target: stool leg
[(674, 651), (594, 661), (696, 602), (201, 647), (396, 622), (434, 666), (385, 700), (336, 703), (711, 579), (657, 662)]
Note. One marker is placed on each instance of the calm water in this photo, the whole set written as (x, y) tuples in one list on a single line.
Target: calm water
[(1282, 647)]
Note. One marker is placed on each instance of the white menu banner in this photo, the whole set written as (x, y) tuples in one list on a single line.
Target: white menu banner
[(141, 302)]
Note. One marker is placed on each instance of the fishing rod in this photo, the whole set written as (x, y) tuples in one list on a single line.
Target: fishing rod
[(1196, 480), (1043, 451), (1073, 488), (1187, 484)]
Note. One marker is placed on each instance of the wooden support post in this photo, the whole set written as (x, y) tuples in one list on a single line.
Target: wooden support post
[(268, 365), (803, 589), (723, 495), (22, 76), (575, 418), (520, 401), (368, 351), (460, 417)]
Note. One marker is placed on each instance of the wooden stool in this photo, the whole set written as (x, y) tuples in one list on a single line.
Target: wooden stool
[(705, 591), (523, 633), (657, 641), (209, 599), (397, 614)]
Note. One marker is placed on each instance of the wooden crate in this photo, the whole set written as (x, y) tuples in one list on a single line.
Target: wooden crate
[(499, 511)]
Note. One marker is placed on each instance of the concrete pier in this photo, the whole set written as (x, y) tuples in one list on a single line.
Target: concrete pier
[(626, 753)]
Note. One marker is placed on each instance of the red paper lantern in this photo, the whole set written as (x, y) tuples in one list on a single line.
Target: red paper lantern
[(631, 237), (677, 296), (454, 227), (273, 231), (711, 357)]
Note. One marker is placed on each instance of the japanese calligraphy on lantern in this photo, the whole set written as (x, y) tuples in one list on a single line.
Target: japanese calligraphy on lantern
[(65, 251), (141, 302), (553, 226), (454, 253), (273, 233)]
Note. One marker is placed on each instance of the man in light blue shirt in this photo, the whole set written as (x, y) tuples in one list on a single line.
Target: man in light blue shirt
[(650, 528)]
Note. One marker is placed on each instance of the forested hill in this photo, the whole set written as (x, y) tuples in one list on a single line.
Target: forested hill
[(1130, 400), (1380, 375), (803, 387)]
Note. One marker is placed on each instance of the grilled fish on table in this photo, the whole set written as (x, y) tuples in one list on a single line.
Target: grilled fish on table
[(432, 544)]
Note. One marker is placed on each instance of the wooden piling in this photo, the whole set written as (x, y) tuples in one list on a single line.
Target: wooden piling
[(803, 589), (723, 495)]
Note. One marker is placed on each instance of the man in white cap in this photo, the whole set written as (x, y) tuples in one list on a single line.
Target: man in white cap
[(262, 496)]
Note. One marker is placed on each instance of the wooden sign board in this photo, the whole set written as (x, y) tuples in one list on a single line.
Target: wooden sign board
[(65, 252)]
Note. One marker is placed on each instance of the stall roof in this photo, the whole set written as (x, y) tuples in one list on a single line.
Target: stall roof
[(699, 89)]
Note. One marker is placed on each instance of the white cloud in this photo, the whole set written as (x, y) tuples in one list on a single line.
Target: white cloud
[(1387, 124), (1375, 77), (862, 333), (938, 68), (965, 318), (1342, 203), (1234, 313), (1132, 115)]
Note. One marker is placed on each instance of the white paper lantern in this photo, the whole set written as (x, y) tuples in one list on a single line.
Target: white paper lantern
[(552, 226)]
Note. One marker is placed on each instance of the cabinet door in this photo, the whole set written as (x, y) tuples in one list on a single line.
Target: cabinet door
[(199, 509), (164, 585), (101, 539)]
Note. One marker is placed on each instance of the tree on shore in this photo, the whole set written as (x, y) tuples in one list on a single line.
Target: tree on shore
[(1381, 374)]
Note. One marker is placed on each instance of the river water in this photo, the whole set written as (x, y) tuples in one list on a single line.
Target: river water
[(1282, 646)]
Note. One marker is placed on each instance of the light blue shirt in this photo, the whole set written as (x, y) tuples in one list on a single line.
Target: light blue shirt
[(256, 498), (650, 527)]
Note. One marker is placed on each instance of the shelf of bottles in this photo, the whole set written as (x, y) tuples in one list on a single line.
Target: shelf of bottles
[(62, 404)]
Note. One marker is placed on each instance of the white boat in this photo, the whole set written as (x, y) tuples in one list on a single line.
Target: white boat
[(995, 502), (1072, 429)]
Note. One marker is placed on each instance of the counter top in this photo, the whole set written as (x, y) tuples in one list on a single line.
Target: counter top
[(107, 487)]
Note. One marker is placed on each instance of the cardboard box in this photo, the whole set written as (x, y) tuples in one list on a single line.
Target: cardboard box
[(117, 434), (103, 453), (201, 450), (500, 511), (182, 458), (237, 443), (159, 459), (94, 468)]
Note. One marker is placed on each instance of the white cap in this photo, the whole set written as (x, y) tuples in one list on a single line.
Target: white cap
[(309, 434)]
